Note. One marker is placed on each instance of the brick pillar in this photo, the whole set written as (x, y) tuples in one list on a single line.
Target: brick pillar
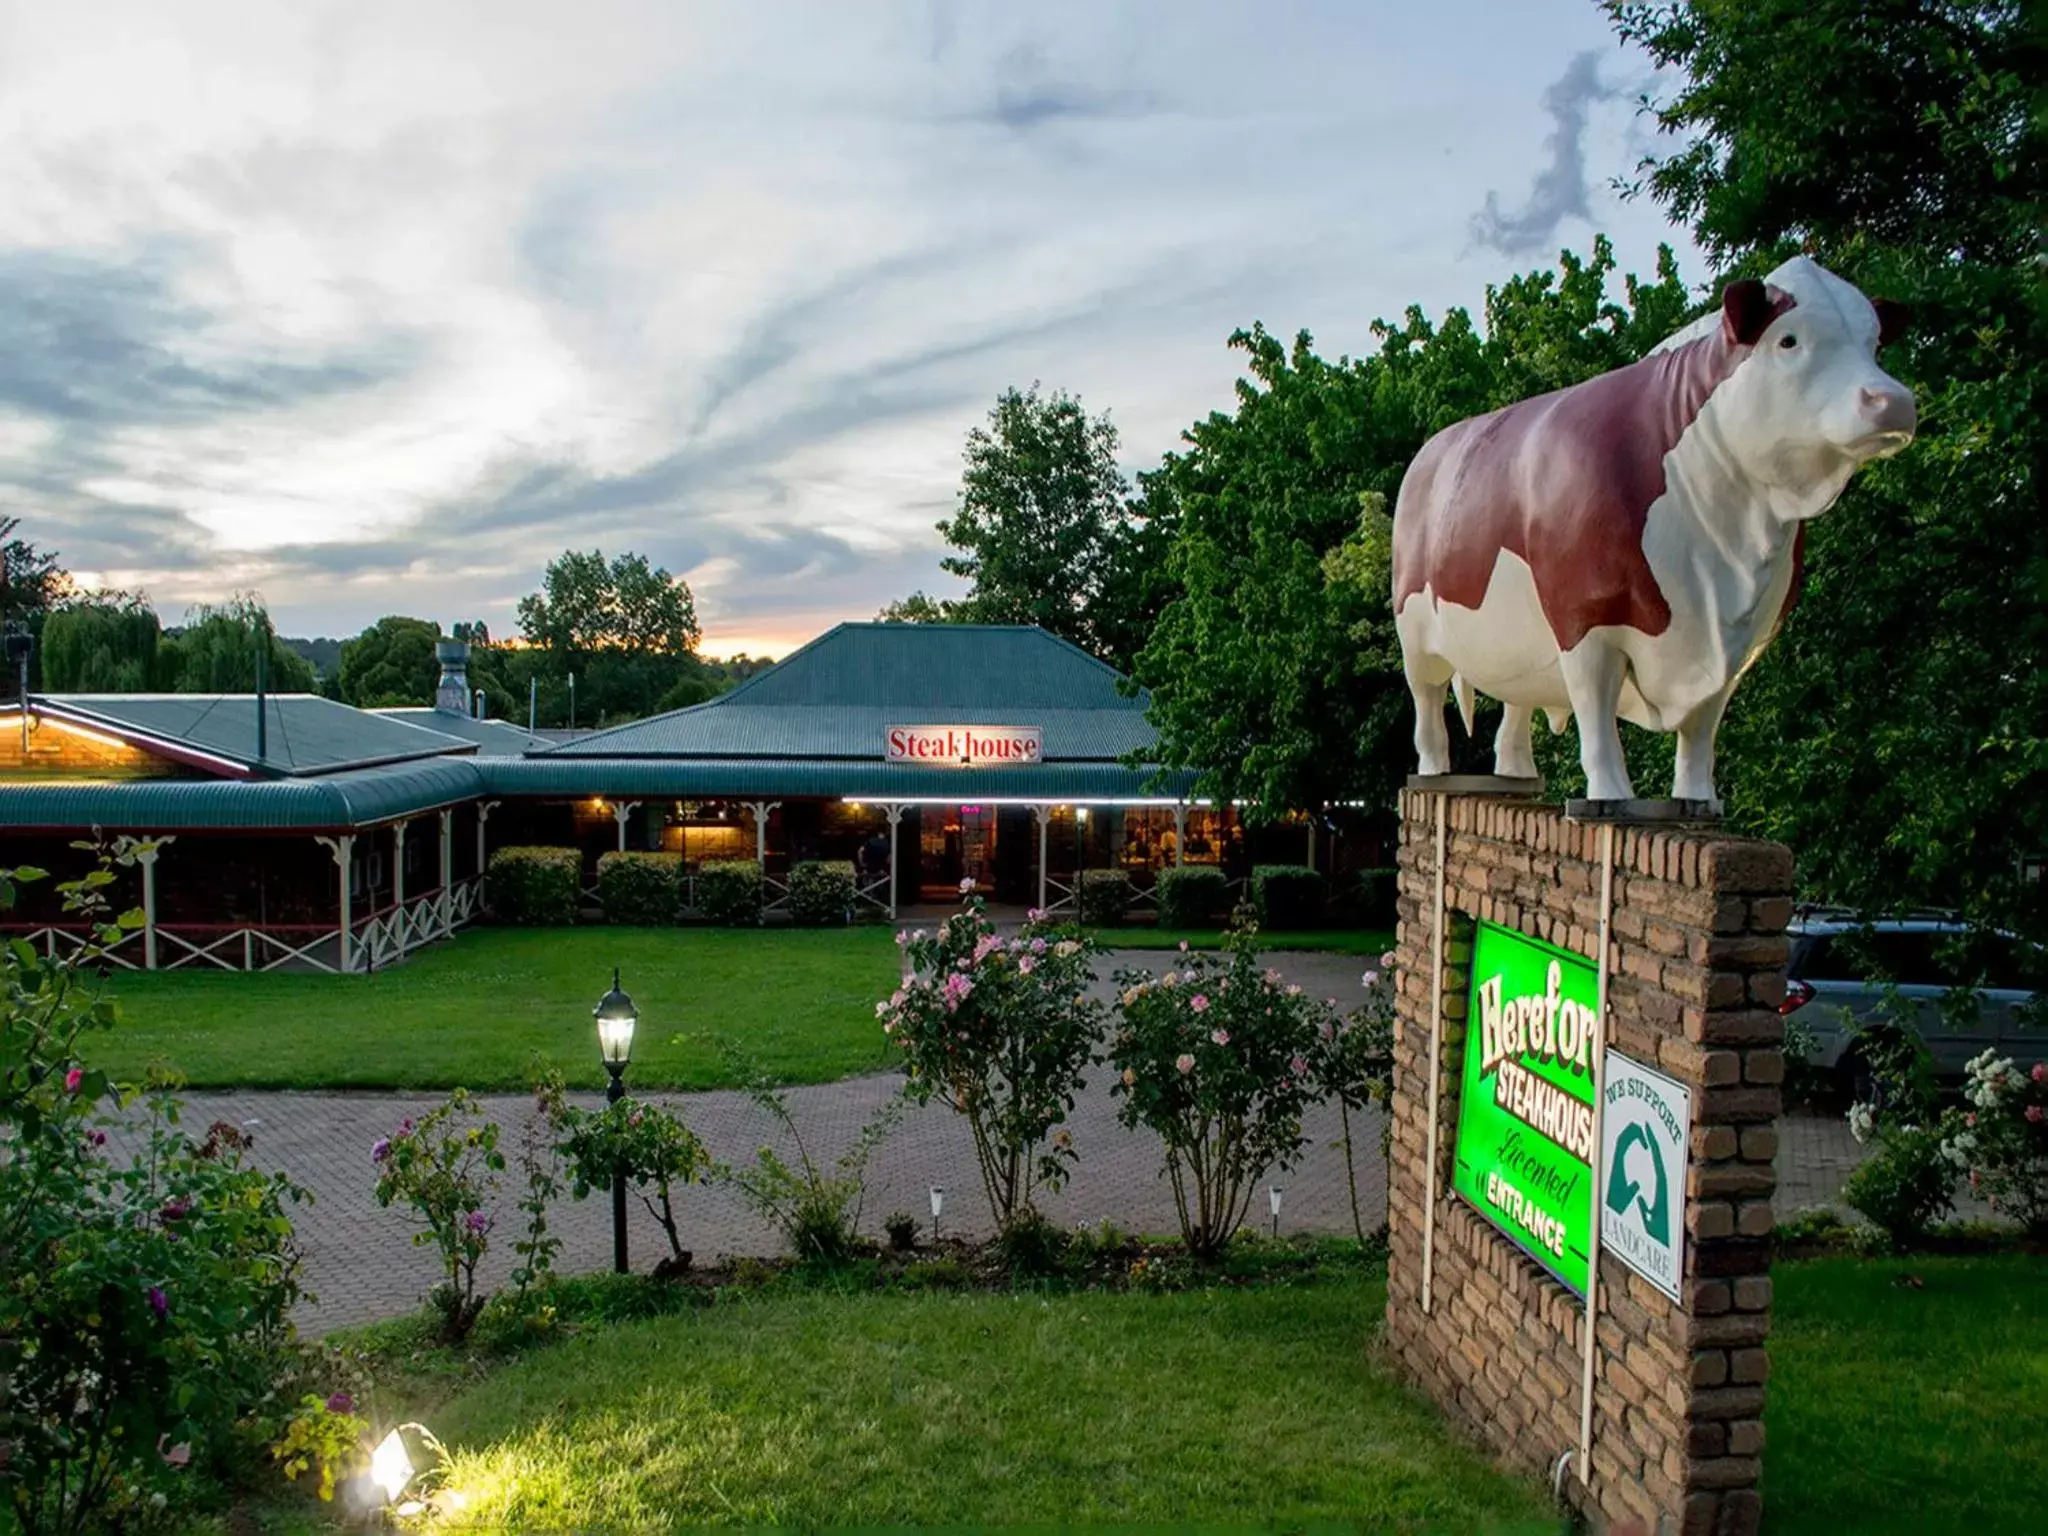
[(1698, 968)]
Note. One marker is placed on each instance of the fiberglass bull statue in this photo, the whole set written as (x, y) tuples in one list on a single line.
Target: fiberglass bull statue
[(1628, 546)]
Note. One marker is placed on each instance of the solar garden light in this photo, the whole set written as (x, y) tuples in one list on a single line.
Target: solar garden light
[(938, 1205), (1273, 1200), (616, 1016)]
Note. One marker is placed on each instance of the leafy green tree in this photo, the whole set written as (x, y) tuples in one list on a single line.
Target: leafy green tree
[(1896, 736), (107, 643), (216, 652), (391, 663), (1046, 529), (625, 630), (32, 581), (587, 604), (918, 608)]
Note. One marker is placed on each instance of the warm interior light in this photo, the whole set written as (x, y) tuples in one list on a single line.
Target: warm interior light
[(390, 1468), (1081, 815)]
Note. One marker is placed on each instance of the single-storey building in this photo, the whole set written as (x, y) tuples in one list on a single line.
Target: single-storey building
[(295, 830)]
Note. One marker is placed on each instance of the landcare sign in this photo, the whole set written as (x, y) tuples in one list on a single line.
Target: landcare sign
[(1524, 1150), (970, 746), (1646, 1135)]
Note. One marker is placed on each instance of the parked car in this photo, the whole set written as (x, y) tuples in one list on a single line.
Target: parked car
[(1959, 989)]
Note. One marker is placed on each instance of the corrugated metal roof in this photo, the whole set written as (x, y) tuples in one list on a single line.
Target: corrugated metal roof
[(836, 696), (553, 774), (493, 738), (303, 733), (333, 801)]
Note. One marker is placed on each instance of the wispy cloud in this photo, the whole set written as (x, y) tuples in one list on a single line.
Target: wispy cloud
[(371, 307), (1559, 191)]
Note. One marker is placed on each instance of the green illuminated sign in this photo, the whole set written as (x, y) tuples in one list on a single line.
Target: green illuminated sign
[(1524, 1150)]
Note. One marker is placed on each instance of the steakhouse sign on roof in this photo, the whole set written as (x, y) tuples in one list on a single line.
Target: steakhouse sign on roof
[(972, 746), (1524, 1148)]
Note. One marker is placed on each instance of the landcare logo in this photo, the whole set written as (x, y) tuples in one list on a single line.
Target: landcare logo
[(1524, 1150), (1647, 1135)]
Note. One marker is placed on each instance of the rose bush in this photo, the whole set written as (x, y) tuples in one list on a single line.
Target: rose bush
[(147, 1277), (647, 1143), (445, 1166), (1002, 1030), (1218, 1058), (1999, 1139)]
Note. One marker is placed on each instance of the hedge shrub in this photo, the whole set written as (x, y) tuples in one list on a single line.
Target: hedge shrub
[(534, 887), (821, 892), (640, 888), (1105, 897), (1192, 897), (729, 892), (1288, 896), (1377, 889)]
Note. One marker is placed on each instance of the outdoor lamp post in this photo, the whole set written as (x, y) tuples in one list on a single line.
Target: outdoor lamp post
[(616, 1016), (938, 1205), (1273, 1200)]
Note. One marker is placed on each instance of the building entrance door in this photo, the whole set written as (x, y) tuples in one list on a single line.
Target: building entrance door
[(955, 843)]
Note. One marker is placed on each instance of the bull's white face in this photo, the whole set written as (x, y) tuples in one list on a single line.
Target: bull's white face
[(1810, 405)]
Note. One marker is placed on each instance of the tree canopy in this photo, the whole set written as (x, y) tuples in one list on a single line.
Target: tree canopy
[(1048, 532), (391, 663), (215, 652), (110, 643), (1896, 735)]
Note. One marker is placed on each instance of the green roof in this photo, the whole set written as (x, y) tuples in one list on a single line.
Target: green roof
[(836, 697), (216, 732), (331, 802), (810, 727), (493, 738)]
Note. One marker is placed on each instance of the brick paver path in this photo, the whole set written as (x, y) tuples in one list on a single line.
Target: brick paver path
[(361, 1264)]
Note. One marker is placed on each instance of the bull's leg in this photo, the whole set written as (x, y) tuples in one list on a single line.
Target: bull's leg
[(1693, 778), (1593, 675), (1513, 757), (1428, 677)]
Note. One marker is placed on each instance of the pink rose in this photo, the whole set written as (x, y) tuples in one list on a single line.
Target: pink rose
[(1026, 965), (1300, 1066), (73, 1078), (1183, 946), (1185, 1062), (1199, 1003), (2040, 1072), (2034, 1114), (1220, 1036)]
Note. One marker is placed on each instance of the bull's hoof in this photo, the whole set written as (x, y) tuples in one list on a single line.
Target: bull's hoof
[(1642, 811)]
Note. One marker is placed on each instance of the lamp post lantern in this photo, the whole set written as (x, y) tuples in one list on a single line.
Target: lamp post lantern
[(616, 1016), (938, 1205), (1273, 1199)]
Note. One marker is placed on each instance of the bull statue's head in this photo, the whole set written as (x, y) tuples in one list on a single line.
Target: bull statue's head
[(1810, 404)]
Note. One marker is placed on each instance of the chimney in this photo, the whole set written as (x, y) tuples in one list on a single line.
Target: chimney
[(452, 692)]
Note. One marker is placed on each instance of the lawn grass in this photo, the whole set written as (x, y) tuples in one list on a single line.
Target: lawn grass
[(1218, 1406), (1336, 941), (474, 1012), (1897, 1407)]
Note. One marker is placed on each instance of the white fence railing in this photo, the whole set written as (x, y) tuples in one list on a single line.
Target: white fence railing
[(380, 939)]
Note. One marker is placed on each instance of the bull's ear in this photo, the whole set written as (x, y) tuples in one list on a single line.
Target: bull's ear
[(1745, 310), (1892, 320)]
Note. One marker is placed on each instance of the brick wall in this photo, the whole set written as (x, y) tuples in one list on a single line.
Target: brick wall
[(1698, 968)]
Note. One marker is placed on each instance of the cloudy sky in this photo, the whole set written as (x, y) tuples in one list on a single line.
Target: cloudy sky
[(373, 308)]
